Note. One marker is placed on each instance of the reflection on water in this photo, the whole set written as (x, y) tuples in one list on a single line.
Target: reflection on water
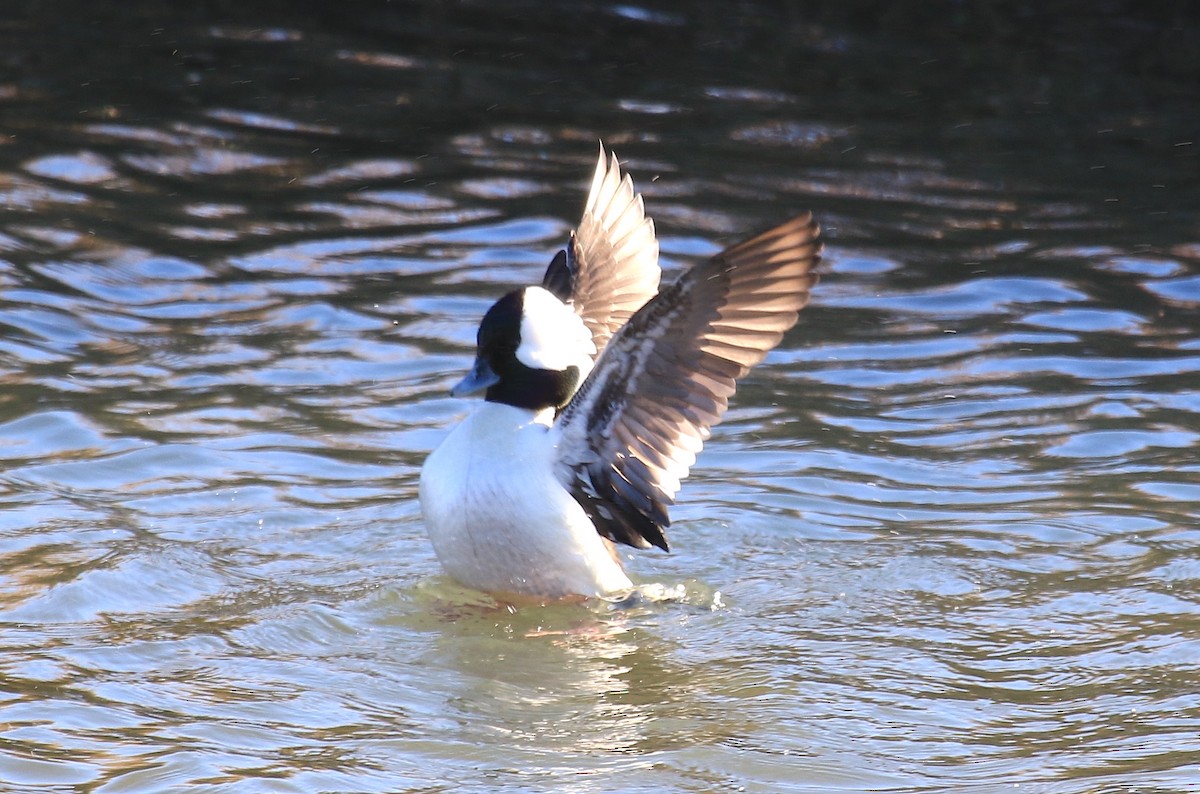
[(953, 521)]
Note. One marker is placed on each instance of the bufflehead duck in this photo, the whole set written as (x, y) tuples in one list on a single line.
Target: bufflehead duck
[(599, 390)]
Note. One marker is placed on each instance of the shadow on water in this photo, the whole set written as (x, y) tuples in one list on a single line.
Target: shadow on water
[(946, 538)]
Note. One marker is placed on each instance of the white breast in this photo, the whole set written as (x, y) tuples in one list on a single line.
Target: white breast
[(499, 519)]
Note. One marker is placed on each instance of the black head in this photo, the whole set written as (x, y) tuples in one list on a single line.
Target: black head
[(531, 352)]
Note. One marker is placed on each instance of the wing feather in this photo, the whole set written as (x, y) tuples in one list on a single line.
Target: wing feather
[(610, 266), (632, 431)]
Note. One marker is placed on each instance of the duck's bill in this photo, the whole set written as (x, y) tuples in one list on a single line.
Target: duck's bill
[(478, 379)]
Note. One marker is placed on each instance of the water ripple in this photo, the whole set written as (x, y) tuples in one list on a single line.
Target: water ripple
[(945, 540)]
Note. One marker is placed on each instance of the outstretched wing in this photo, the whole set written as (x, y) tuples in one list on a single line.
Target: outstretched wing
[(610, 267), (632, 431)]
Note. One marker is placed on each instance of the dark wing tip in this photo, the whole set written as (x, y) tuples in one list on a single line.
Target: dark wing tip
[(618, 511)]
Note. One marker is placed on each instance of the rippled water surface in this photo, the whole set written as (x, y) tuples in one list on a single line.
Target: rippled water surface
[(947, 538)]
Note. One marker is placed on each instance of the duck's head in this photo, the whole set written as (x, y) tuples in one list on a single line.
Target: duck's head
[(532, 352)]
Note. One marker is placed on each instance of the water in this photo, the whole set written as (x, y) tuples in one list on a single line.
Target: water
[(946, 540)]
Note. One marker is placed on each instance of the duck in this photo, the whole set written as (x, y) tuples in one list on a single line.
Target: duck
[(600, 387)]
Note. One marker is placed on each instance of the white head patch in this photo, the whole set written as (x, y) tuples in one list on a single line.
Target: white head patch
[(552, 335)]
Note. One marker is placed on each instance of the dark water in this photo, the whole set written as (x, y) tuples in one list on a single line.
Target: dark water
[(946, 540)]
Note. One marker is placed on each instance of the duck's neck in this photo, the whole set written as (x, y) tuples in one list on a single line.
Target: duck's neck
[(502, 415)]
